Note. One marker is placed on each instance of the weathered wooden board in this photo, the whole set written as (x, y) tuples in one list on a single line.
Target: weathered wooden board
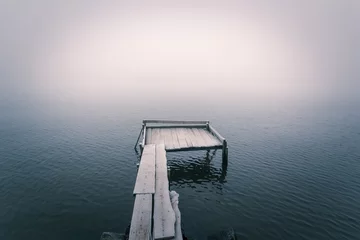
[(156, 137), (140, 228), (177, 126), (148, 135), (184, 132), (196, 141), (175, 121), (175, 140), (182, 138), (144, 137), (208, 137), (212, 130), (200, 138), (178, 138), (164, 216), (145, 180), (166, 135)]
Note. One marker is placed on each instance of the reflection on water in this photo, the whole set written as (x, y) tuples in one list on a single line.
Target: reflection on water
[(187, 168), (291, 171), (191, 169)]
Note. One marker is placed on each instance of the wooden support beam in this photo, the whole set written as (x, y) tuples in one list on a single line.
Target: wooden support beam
[(216, 133), (144, 138), (177, 126), (195, 148), (225, 152), (141, 132), (175, 121)]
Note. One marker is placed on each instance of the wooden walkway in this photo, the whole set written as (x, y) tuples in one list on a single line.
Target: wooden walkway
[(152, 197), (155, 215)]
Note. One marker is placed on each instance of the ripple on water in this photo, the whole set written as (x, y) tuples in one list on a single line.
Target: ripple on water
[(284, 180)]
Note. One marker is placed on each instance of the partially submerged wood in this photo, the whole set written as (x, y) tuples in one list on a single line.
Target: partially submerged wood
[(140, 228), (164, 216), (145, 180), (225, 152), (174, 196)]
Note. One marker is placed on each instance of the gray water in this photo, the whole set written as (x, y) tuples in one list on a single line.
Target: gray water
[(68, 169)]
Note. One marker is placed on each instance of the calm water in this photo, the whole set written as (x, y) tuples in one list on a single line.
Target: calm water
[(68, 170)]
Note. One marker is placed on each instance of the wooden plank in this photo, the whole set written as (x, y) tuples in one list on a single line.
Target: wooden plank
[(148, 136), (189, 142), (212, 130), (155, 133), (164, 216), (144, 137), (181, 137), (161, 139), (166, 136), (176, 143), (194, 140), (194, 148), (140, 228), (176, 125), (175, 121), (200, 138), (145, 180), (209, 138), (208, 141)]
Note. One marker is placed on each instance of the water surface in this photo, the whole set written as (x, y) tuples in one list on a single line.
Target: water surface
[(68, 171)]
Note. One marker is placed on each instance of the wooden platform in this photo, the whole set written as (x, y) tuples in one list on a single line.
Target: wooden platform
[(154, 216), (179, 138), (181, 135)]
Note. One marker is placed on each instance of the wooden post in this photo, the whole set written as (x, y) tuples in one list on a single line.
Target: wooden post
[(142, 144), (141, 132), (141, 149), (225, 152)]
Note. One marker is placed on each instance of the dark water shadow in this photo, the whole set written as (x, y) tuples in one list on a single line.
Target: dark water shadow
[(199, 168)]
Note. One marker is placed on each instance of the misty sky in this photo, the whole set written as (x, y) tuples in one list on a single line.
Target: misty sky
[(258, 49)]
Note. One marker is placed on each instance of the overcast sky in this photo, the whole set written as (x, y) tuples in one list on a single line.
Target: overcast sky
[(265, 48)]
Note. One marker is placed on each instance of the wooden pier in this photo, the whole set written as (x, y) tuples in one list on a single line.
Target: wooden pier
[(182, 136), (156, 214)]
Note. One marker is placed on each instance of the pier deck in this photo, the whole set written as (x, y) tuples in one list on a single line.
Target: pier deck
[(182, 135), (156, 214), (179, 138)]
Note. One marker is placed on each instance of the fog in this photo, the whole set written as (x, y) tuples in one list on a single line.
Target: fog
[(91, 52)]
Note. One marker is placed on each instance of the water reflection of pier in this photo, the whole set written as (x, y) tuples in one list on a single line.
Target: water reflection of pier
[(196, 169)]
